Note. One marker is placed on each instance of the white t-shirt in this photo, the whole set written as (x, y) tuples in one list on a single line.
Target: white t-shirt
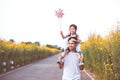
[(71, 67)]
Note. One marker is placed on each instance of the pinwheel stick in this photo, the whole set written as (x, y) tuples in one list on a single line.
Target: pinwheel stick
[(60, 24)]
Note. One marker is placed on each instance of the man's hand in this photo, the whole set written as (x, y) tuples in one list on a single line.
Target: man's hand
[(81, 67), (60, 65)]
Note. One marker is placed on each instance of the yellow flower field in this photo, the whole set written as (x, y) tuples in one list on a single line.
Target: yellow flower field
[(102, 55), (16, 55)]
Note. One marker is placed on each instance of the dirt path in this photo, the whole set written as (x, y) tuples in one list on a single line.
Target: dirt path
[(45, 69)]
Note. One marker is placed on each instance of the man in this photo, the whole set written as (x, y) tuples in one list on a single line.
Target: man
[(71, 70)]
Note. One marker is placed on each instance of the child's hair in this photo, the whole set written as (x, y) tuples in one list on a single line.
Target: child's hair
[(73, 25)]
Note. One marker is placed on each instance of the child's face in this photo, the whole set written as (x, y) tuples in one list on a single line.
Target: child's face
[(72, 30)]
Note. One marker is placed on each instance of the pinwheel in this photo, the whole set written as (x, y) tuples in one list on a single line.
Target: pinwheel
[(59, 13)]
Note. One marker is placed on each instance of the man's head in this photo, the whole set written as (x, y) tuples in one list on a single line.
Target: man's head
[(72, 43)]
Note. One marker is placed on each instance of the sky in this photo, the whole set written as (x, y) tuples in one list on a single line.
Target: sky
[(35, 20)]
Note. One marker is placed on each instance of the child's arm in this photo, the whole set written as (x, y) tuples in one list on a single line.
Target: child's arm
[(63, 35)]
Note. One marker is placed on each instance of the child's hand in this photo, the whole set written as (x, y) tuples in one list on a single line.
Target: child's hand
[(74, 40), (61, 32)]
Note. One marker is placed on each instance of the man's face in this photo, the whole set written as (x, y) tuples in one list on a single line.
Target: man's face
[(72, 44)]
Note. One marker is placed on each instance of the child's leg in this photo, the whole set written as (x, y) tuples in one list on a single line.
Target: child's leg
[(79, 57), (79, 51), (81, 64), (61, 56), (81, 60), (78, 48), (66, 51)]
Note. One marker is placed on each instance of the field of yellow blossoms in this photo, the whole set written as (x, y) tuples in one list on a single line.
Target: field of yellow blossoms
[(14, 55), (102, 55)]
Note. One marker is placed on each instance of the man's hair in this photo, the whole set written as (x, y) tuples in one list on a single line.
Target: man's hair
[(72, 38)]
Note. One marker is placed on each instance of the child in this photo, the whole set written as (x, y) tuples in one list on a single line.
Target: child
[(72, 30)]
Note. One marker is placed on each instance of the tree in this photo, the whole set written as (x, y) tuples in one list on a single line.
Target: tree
[(12, 40), (37, 43)]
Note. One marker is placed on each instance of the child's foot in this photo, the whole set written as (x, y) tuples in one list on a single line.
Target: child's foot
[(59, 61), (81, 65)]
